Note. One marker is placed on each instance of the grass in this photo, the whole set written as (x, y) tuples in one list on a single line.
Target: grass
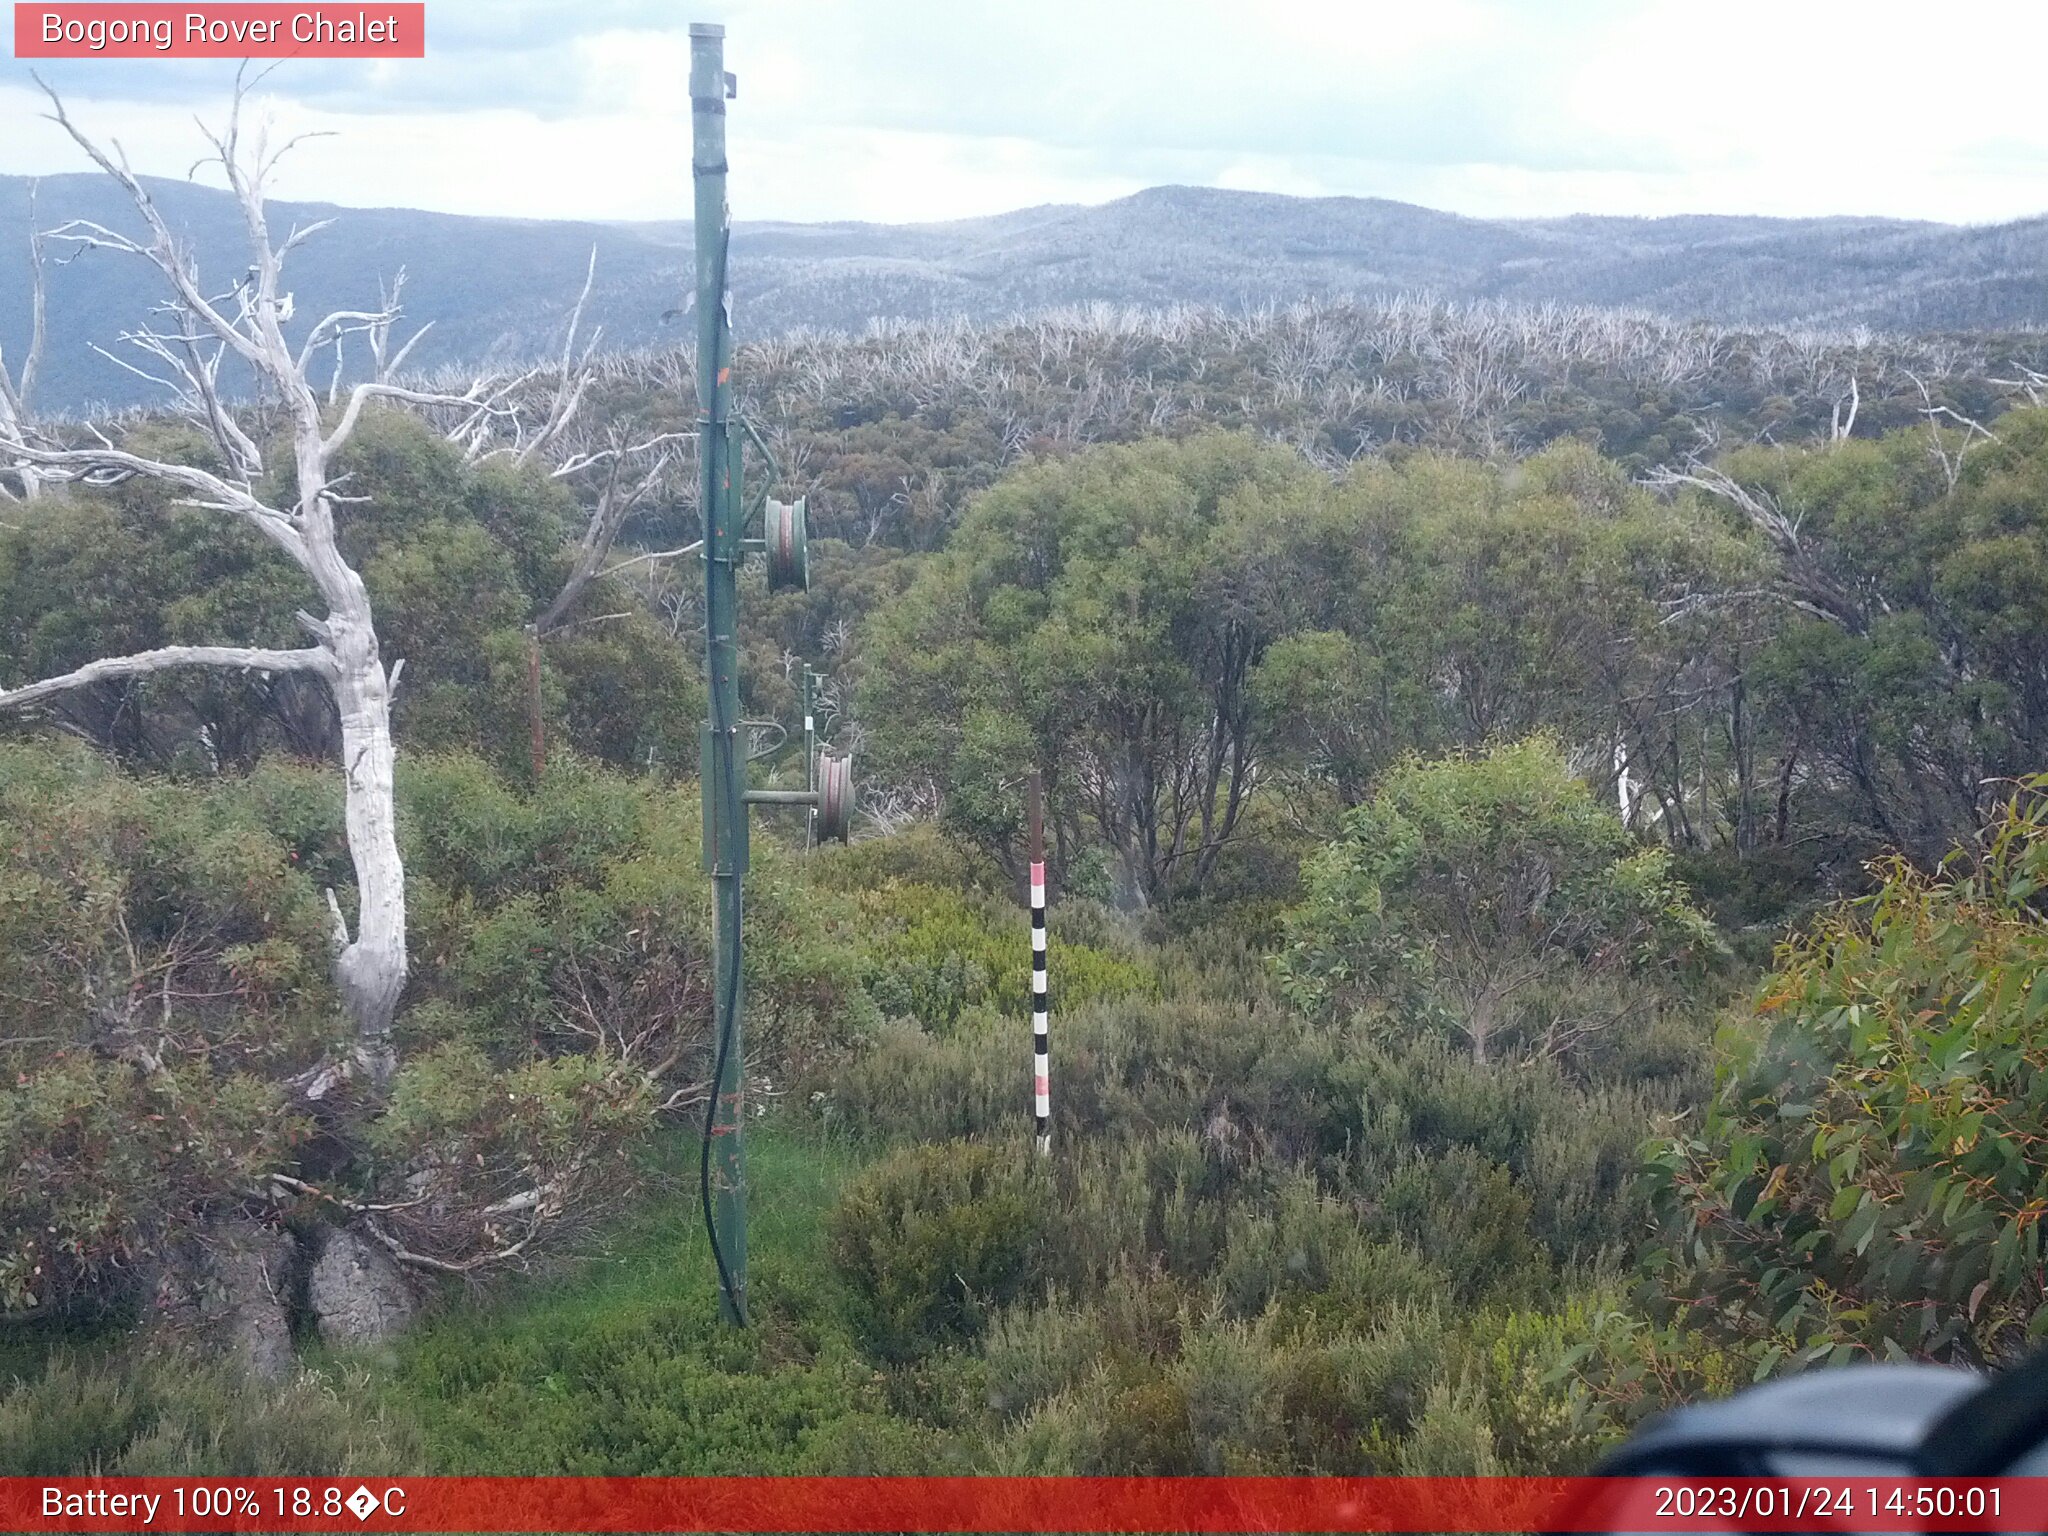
[(658, 1252), (614, 1363), (27, 1350), (622, 1366)]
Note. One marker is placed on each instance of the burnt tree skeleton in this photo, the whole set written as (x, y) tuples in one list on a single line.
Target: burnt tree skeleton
[(17, 385), (632, 474), (186, 342)]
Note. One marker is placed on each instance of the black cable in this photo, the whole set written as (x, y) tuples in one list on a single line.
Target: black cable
[(732, 1002)]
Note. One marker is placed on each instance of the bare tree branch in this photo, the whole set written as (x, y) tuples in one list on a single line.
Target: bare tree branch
[(654, 555), (164, 249), (1951, 463), (111, 466), (575, 374), (17, 391), (107, 669), (362, 394), (1840, 426), (1812, 585), (615, 502)]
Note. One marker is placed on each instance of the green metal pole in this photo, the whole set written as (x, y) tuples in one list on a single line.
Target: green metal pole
[(810, 758), (725, 826)]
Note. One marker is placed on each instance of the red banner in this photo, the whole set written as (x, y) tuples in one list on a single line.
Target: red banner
[(373, 30), (993, 1504)]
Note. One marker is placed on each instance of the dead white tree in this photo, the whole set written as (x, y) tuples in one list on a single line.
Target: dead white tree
[(632, 474), (1806, 583), (187, 341), (2031, 383), (17, 387), (509, 428), (375, 327), (628, 473), (1951, 462), (1841, 425)]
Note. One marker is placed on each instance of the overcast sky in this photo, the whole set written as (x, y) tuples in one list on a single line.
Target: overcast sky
[(932, 109)]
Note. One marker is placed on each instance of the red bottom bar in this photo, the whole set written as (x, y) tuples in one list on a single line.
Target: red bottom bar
[(996, 1504)]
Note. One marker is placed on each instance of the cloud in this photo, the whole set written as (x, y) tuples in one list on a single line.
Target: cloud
[(894, 109)]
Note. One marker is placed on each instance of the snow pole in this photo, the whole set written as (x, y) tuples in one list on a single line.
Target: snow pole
[(1041, 1007)]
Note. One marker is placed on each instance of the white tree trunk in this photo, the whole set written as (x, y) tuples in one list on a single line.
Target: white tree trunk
[(371, 968)]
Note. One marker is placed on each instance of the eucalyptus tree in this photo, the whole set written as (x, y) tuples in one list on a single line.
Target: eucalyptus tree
[(1103, 618), (289, 494), (1901, 600), (1492, 897)]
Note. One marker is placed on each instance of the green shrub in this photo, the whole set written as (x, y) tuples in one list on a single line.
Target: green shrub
[(1313, 1255), (878, 1445), (1142, 1313), (473, 832), (102, 1167), (1469, 1215), (656, 1386), (162, 965), (1867, 1178), (1150, 1200), (1147, 1431), (173, 1416), (1466, 884), (1034, 1353), (572, 922), (72, 1419), (1347, 1399), (1229, 1374), (623, 1366), (908, 1086), (466, 1135), (1452, 1438), (931, 954), (1060, 1438), (921, 854), (931, 1240), (1119, 1069), (1175, 1388), (1571, 1147), (1543, 1416)]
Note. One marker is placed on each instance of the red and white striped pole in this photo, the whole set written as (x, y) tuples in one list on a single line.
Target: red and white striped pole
[(1041, 1042)]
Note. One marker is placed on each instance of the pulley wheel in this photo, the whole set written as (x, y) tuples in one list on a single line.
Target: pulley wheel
[(835, 797), (786, 532)]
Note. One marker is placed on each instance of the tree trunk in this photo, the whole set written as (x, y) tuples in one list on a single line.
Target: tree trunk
[(1781, 823), (536, 726), (1479, 1023), (370, 970), (1744, 751)]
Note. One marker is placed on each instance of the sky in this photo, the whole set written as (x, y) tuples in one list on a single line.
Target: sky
[(913, 110)]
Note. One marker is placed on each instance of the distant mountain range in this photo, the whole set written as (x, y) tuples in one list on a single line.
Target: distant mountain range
[(499, 290)]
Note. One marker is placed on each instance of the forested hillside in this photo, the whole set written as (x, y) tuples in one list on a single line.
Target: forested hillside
[(1545, 846), (497, 289)]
